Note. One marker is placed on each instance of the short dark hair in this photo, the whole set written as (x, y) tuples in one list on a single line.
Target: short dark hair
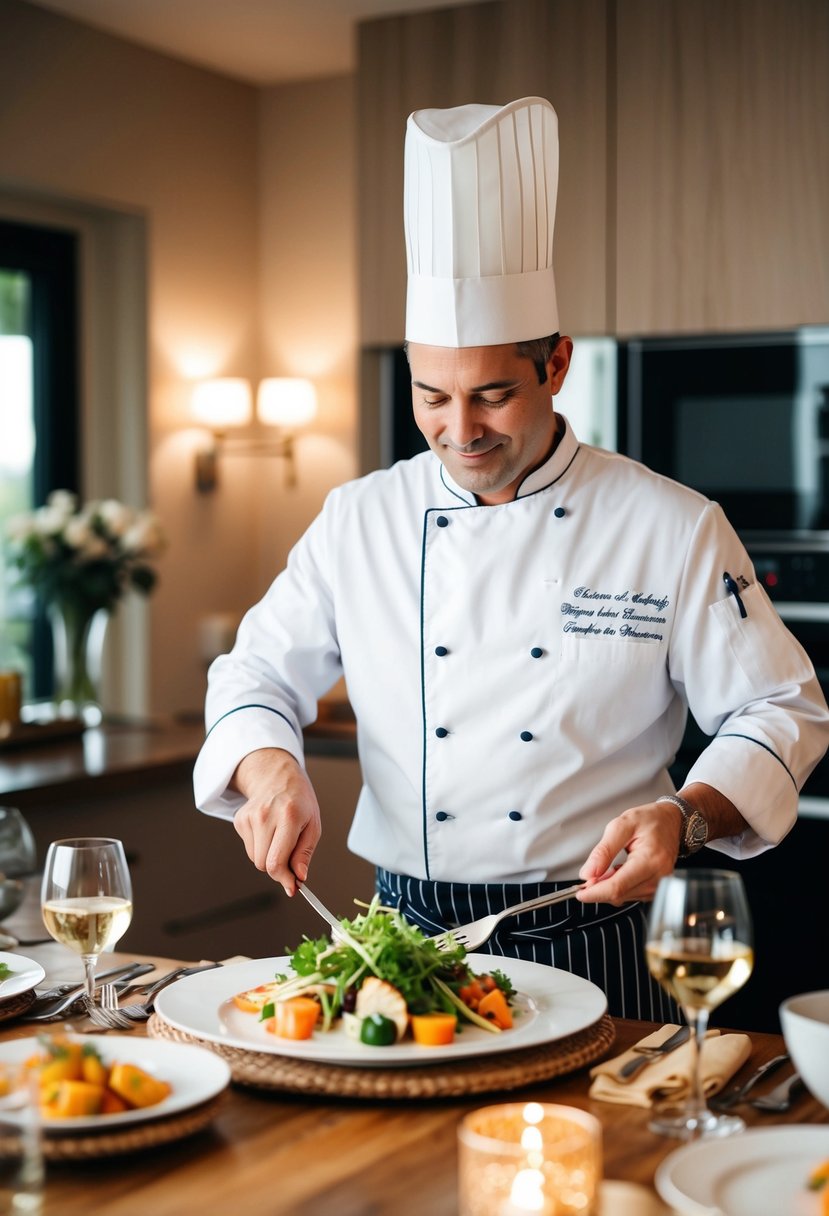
[(539, 351)]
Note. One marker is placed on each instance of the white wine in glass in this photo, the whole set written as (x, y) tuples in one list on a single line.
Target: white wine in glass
[(86, 897), (699, 948)]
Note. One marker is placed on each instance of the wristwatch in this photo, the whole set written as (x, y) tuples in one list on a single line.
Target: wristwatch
[(694, 826)]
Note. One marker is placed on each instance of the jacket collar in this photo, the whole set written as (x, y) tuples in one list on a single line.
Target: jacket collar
[(537, 479)]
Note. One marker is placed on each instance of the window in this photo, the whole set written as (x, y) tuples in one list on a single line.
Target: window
[(38, 407)]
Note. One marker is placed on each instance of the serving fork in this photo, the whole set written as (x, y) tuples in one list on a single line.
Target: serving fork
[(476, 932)]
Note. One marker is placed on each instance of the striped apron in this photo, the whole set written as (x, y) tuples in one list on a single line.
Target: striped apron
[(600, 942)]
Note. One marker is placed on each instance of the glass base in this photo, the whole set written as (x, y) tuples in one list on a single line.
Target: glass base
[(690, 1123)]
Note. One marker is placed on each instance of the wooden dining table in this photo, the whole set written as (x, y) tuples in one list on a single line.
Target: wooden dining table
[(267, 1152)]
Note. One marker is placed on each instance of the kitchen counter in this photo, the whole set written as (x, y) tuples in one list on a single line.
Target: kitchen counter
[(134, 781), (123, 753)]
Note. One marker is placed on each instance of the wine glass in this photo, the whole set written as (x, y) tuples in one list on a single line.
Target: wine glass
[(699, 948), (86, 897), (18, 859)]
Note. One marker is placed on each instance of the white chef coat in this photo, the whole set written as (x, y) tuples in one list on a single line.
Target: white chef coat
[(519, 672)]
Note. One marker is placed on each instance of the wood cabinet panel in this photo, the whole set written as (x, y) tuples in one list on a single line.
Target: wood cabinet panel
[(493, 52), (722, 159)]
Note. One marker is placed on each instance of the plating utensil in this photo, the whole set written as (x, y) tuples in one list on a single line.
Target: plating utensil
[(647, 1055), (320, 908), (476, 932)]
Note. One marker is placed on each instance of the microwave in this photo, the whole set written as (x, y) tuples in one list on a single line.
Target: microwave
[(743, 418)]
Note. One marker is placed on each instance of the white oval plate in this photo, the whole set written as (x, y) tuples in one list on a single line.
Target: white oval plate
[(195, 1074), (553, 1004), (760, 1172), (25, 975)]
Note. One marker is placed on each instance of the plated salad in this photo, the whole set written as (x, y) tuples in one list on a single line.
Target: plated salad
[(381, 979)]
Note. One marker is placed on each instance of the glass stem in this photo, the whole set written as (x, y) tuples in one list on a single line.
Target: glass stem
[(699, 1019), (89, 962)]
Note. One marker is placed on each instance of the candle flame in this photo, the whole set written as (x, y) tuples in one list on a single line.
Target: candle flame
[(533, 1112), (527, 1194)]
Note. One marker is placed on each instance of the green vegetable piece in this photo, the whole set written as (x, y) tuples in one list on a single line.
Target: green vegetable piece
[(378, 1031)]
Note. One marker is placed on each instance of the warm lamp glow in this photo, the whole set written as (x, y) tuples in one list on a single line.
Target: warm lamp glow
[(286, 401), (282, 402), (224, 402)]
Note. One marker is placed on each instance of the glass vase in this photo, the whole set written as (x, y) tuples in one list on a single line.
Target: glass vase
[(78, 636)]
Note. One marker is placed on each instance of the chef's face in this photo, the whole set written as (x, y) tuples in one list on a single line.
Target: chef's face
[(484, 414)]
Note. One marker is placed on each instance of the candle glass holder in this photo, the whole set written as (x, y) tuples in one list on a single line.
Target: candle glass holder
[(529, 1159)]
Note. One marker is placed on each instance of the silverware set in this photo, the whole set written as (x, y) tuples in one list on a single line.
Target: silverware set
[(777, 1101), (646, 1055), (49, 1007), (109, 1015)]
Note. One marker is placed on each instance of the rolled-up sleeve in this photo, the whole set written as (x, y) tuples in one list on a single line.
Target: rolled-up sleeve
[(749, 684)]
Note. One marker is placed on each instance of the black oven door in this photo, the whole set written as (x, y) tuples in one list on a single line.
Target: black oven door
[(787, 887)]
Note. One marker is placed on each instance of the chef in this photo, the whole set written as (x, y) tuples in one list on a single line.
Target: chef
[(521, 619)]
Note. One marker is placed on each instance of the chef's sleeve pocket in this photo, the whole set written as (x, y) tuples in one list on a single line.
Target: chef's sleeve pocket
[(766, 653)]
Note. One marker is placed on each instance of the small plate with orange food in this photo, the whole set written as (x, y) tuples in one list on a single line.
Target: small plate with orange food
[(104, 1082)]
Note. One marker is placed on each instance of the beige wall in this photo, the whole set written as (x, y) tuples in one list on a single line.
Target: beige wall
[(308, 299), (239, 282)]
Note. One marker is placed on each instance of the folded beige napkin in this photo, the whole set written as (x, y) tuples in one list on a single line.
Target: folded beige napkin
[(669, 1076)]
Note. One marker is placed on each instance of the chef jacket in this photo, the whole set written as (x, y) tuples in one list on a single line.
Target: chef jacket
[(520, 672)]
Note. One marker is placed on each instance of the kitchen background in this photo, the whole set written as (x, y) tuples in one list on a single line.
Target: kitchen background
[(246, 221)]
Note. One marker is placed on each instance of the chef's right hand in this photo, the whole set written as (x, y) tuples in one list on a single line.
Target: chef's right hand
[(280, 821)]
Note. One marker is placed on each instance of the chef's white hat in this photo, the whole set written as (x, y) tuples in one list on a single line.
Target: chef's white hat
[(479, 193)]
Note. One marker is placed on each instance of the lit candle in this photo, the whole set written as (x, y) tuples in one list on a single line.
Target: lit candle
[(529, 1160)]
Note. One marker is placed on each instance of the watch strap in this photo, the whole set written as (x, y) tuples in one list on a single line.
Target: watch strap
[(694, 825)]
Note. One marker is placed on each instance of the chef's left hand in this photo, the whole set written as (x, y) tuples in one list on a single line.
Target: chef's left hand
[(650, 835)]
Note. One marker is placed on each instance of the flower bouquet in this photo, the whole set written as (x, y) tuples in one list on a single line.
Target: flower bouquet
[(80, 560)]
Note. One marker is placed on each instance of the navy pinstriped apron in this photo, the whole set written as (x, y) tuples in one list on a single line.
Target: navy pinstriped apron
[(600, 942)]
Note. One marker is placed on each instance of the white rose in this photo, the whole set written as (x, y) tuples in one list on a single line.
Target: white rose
[(62, 501), (145, 537), (115, 516), (49, 521), (77, 532)]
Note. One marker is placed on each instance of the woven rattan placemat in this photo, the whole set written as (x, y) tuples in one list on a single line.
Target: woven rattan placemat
[(16, 1005), (81, 1146), (509, 1070)]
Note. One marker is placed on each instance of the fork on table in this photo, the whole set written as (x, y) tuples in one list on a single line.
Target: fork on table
[(110, 1016), (107, 1015), (476, 932)]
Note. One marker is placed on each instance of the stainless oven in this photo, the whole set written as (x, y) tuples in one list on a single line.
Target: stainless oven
[(745, 420)]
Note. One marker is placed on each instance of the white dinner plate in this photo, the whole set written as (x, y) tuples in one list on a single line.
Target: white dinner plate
[(24, 974), (759, 1172), (552, 1004), (195, 1074)]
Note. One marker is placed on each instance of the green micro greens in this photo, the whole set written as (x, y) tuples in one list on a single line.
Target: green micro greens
[(379, 942)]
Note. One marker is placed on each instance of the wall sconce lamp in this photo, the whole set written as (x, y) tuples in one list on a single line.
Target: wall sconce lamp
[(281, 402)]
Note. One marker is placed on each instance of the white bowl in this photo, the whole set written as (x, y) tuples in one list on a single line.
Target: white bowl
[(805, 1023)]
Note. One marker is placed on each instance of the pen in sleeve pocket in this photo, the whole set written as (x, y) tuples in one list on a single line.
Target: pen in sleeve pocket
[(732, 589)]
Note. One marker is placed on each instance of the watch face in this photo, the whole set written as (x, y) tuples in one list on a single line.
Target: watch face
[(696, 833)]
